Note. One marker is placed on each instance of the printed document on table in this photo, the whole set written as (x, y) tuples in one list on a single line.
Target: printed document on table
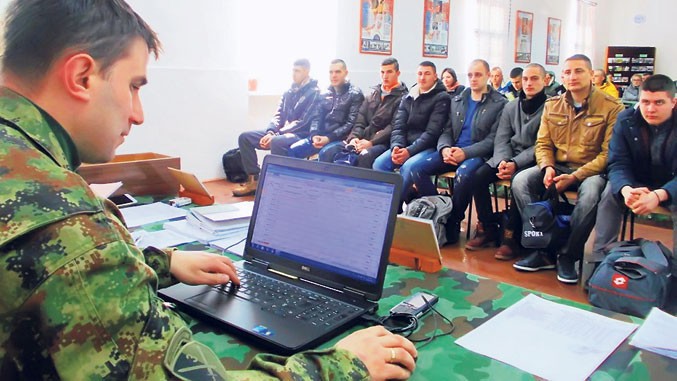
[(657, 334), (159, 239), (545, 338), (147, 214)]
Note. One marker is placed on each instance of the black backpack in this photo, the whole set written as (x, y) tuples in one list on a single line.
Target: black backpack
[(232, 166)]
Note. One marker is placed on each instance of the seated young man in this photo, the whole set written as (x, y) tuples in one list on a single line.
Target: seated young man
[(571, 153), (512, 89), (417, 125), (465, 144), (336, 113), (371, 134), (290, 123), (513, 152), (642, 163), (79, 299)]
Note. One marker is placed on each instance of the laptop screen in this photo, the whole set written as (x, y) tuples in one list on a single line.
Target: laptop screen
[(323, 220)]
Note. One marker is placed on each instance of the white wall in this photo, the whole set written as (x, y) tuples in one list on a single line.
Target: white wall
[(639, 23)]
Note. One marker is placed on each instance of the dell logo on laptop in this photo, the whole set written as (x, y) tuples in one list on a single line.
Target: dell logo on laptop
[(305, 268)]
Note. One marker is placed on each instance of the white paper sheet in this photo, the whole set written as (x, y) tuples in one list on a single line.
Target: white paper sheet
[(658, 334), (237, 249), (147, 214), (160, 239), (545, 338)]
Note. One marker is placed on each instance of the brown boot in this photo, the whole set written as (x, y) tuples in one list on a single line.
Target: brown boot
[(246, 189), (509, 249), (484, 236)]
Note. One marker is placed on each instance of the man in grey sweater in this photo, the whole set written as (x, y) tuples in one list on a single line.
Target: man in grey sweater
[(513, 151)]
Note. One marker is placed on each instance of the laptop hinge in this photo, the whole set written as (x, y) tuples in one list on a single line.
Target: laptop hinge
[(354, 292), (320, 285), (259, 263)]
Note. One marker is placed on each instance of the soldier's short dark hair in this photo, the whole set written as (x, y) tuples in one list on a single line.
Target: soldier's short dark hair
[(303, 62), (391, 61), (516, 72), (339, 61), (659, 82), (581, 57), (429, 64), (540, 68), (37, 32)]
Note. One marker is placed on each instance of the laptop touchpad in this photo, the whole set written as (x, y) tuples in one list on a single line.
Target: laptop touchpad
[(211, 300)]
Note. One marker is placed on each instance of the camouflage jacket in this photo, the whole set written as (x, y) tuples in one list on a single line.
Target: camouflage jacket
[(78, 298)]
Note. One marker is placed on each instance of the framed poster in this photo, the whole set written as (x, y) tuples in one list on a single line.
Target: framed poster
[(436, 28), (376, 26), (523, 29), (552, 44)]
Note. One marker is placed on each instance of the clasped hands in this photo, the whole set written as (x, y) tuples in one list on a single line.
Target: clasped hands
[(453, 155), (562, 182), (360, 144), (640, 200)]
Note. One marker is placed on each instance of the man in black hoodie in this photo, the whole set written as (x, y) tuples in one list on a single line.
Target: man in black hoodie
[(417, 126), (465, 144), (513, 151)]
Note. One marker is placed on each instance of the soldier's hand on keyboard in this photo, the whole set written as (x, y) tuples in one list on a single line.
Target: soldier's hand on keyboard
[(386, 355), (198, 267)]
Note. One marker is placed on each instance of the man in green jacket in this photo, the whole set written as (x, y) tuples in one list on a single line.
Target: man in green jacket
[(79, 298)]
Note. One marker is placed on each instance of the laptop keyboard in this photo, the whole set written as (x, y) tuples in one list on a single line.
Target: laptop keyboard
[(289, 301)]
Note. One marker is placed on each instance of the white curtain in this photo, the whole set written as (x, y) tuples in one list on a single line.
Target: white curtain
[(585, 28), (492, 34)]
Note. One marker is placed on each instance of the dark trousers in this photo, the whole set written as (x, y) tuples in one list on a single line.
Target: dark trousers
[(483, 178), (364, 160), (249, 143)]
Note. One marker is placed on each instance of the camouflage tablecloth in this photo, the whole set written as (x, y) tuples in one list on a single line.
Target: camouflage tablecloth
[(468, 300)]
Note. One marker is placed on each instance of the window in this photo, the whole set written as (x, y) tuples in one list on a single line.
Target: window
[(585, 28), (492, 31), (276, 33)]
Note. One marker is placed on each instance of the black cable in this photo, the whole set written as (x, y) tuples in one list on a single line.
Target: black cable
[(235, 244)]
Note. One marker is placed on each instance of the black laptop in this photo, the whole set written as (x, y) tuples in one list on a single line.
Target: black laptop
[(315, 255)]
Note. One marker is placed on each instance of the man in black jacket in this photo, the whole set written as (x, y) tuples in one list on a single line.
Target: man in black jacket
[(290, 123), (642, 163), (417, 125), (370, 136), (336, 113), (466, 143)]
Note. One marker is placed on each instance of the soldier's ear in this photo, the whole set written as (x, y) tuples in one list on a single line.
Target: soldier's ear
[(78, 74)]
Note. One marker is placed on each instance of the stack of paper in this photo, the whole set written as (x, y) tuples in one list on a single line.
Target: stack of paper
[(148, 214), (222, 220), (658, 334)]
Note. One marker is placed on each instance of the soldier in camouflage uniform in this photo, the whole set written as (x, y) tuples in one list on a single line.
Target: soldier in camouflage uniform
[(79, 299)]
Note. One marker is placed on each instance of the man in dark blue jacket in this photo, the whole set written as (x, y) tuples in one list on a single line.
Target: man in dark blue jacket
[(466, 143), (290, 123), (418, 123), (642, 162), (336, 112)]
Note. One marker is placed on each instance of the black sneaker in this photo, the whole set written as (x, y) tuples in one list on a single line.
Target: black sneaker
[(566, 270), (535, 261)]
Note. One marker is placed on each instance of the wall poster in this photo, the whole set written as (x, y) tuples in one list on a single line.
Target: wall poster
[(376, 26), (552, 45), (523, 30), (436, 28)]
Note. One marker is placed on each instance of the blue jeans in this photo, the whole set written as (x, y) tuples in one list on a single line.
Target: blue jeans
[(527, 186), (249, 143), (385, 163), (433, 165), (302, 149), (328, 152)]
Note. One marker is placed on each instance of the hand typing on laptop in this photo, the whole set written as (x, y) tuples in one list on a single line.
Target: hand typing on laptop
[(386, 355), (198, 267)]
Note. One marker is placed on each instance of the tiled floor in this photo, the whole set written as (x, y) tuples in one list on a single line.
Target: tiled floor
[(482, 262)]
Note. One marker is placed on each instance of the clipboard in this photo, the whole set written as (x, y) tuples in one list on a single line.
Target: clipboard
[(192, 187)]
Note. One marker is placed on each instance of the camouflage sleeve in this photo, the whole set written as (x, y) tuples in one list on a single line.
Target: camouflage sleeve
[(328, 364), (159, 260)]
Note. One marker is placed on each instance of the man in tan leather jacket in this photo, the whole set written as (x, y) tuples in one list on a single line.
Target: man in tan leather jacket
[(571, 153)]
